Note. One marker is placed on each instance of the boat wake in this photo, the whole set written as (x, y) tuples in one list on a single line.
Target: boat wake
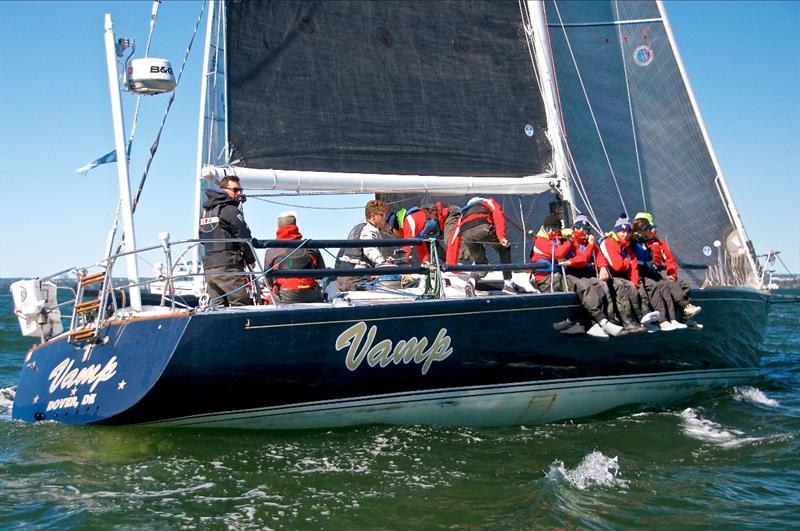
[(711, 432), (595, 470), (754, 396), (7, 395)]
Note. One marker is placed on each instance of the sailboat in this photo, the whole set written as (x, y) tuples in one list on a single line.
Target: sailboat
[(544, 105)]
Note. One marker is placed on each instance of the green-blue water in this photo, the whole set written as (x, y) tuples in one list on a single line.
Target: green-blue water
[(730, 460)]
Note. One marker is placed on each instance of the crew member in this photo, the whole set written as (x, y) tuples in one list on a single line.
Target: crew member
[(667, 266), (651, 285), (363, 257), (482, 222), (423, 222), (224, 262), (300, 289), (619, 268)]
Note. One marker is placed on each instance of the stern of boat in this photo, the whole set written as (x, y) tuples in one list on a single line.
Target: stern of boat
[(78, 382)]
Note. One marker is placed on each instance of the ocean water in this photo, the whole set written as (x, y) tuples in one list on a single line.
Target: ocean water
[(730, 460)]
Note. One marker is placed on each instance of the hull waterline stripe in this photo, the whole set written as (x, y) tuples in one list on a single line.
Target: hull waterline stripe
[(457, 393)]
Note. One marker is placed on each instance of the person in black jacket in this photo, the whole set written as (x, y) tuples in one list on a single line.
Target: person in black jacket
[(222, 219)]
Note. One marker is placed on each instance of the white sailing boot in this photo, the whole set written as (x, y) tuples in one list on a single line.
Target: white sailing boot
[(597, 331), (610, 328), (651, 317), (678, 325), (691, 310)]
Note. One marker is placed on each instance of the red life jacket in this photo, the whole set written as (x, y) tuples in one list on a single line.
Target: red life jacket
[(663, 257), (620, 260), (484, 211), (546, 254), (294, 259)]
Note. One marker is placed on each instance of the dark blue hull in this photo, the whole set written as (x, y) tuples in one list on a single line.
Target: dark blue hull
[(482, 361)]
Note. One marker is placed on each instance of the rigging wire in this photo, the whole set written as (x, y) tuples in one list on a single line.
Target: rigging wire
[(589, 104), (262, 197), (630, 105), (154, 147), (153, 16)]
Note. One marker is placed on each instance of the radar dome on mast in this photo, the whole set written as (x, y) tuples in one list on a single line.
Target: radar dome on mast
[(149, 76)]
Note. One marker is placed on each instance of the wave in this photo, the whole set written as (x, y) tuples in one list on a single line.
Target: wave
[(711, 432), (754, 396), (595, 469), (7, 395)]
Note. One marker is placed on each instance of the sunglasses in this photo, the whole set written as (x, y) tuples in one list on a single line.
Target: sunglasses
[(236, 190), (582, 226)]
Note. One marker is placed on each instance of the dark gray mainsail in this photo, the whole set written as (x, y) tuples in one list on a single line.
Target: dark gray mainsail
[(634, 133), (443, 88)]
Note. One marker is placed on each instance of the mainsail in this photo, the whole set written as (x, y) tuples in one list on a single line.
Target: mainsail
[(635, 135), (377, 96)]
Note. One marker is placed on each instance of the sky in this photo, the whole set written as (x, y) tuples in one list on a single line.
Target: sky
[(742, 59)]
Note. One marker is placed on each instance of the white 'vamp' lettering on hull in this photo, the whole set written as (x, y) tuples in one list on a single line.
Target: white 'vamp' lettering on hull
[(385, 352), (64, 376)]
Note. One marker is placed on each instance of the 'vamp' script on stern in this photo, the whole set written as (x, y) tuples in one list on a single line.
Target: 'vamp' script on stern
[(360, 343)]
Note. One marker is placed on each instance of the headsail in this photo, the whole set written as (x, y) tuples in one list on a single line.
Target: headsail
[(635, 135), (365, 94)]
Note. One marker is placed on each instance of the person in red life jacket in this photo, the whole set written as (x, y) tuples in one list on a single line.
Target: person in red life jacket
[(652, 287), (667, 266), (549, 249), (423, 222), (300, 289), (482, 223), (562, 264), (618, 267)]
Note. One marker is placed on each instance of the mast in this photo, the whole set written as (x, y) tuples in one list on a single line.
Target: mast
[(546, 70), (122, 164), (725, 194), (201, 130)]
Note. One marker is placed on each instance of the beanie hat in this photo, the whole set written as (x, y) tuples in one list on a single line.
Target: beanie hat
[(623, 223), (644, 215), (287, 218), (581, 219), (552, 220)]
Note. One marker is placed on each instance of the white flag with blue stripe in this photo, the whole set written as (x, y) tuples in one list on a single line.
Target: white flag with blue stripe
[(105, 159)]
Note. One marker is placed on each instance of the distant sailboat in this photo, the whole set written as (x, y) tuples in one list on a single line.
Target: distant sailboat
[(549, 105)]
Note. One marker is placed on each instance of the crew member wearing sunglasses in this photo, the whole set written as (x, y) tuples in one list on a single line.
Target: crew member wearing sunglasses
[(224, 262)]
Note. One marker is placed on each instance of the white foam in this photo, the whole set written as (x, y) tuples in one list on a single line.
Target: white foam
[(595, 469), (754, 396), (711, 432), (7, 395)]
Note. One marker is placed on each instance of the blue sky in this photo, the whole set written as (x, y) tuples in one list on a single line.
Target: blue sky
[(742, 58)]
